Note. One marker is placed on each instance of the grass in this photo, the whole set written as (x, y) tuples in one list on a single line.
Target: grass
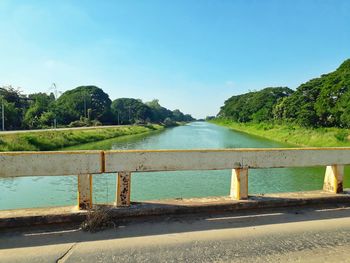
[(56, 139), (292, 134)]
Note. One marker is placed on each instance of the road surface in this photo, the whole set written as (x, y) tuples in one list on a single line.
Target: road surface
[(294, 235)]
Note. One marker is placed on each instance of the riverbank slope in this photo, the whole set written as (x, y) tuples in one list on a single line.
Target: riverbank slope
[(55, 139), (292, 134)]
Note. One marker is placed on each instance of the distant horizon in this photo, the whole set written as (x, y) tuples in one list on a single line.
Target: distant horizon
[(191, 56)]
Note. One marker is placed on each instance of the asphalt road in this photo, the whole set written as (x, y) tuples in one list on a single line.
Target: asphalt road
[(294, 235)]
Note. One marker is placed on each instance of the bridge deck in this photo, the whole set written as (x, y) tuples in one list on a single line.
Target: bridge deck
[(268, 235), (69, 214)]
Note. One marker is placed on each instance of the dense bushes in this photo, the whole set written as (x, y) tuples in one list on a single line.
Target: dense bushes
[(320, 102), (253, 106), (323, 101), (82, 106)]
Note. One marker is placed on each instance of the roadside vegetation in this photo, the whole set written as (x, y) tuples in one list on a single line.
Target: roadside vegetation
[(82, 106), (292, 134), (57, 139), (316, 114)]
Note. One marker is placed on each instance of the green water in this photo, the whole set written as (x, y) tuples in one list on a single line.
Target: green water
[(28, 192)]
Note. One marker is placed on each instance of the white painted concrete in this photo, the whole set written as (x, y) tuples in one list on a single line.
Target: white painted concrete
[(14, 164), (239, 184), (174, 160), (333, 180)]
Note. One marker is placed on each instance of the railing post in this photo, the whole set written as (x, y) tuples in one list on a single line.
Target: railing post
[(333, 180), (239, 184), (84, 191), (123, 189)]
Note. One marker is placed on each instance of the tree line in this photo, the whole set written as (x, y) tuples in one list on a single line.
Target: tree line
[(82, 106), (320, 102)]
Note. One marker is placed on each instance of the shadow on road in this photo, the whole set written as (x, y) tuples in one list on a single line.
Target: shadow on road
[(148, 226)]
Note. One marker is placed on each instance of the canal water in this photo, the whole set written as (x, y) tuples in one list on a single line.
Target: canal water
[(26, 192)]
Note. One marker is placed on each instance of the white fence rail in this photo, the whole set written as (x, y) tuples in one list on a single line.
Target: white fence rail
[(86, 163), (14, 164), (164, 160)]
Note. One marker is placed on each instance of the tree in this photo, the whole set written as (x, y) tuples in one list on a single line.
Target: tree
[(322, 101), (128, 110), (15, 104), (254, 106), (178, 115), (159, 113), (82, 106), (39, 113), (73, 104), (12, 115), (168, 122)]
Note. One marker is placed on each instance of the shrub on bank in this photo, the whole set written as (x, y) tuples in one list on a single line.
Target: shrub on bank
[(291, 133), (53, 140)]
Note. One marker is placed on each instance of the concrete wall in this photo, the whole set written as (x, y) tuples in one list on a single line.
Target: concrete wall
[(86, 163)]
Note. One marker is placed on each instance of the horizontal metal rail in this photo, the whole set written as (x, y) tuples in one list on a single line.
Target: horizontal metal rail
[(86, 163)]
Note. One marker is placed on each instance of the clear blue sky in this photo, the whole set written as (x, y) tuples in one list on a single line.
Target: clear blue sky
[(191, 55)]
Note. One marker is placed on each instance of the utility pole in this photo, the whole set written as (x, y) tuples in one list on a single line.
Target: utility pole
[(129, 114), (3, 115), (85, 105)]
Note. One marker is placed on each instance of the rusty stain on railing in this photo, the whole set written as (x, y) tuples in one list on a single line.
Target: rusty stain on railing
[(103, 162)]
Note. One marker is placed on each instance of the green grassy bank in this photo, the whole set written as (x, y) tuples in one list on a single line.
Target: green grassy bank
[(56, 139), (292, 134)]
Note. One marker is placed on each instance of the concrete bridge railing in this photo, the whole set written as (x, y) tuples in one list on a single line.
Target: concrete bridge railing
[(86, 163)]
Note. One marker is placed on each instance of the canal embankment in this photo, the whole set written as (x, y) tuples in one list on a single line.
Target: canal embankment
[(292, 134), (55, 139)]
